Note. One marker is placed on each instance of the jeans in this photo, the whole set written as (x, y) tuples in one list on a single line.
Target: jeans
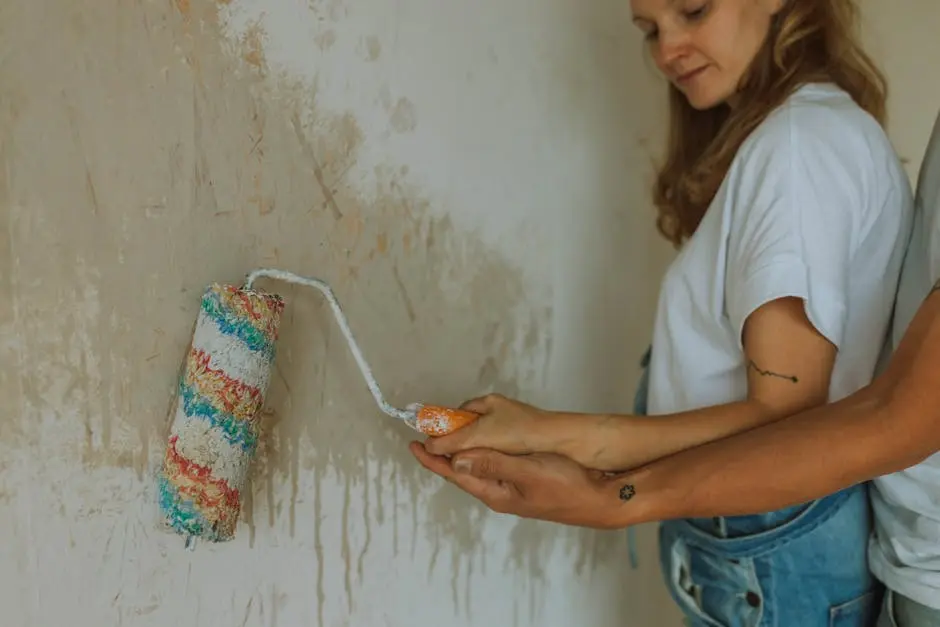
[(802, 566), (899, 611)]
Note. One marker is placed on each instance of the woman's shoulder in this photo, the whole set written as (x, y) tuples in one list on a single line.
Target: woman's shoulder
[(821, 117)]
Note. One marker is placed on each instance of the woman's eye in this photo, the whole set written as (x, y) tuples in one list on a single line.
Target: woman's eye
[(696, 13)]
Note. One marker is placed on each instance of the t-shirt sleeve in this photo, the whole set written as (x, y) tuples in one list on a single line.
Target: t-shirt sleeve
[(794, 206)]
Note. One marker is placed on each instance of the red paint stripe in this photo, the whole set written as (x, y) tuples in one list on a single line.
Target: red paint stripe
[(234, 393), (265, 309), (201, 475), (274, 304), (247, 303), (248, 306)]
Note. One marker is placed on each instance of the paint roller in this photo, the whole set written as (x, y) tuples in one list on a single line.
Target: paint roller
[(221, 389)]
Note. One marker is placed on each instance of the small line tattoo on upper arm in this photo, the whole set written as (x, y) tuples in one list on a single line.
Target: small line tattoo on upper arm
[(769, 373)]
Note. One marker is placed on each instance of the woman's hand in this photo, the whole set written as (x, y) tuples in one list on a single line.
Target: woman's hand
[(504, 425), (604, 442), (542, 486)]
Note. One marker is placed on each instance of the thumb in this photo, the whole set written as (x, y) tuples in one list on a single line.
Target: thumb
[(462, 438), (488, 464), (450, 443), (482, 404)]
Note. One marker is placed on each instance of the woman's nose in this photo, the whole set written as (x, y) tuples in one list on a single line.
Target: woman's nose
[(671, 47)]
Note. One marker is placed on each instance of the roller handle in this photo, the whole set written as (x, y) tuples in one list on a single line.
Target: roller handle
[(434, 420)]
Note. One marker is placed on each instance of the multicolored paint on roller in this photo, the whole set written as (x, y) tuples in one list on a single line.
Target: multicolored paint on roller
[(215, 431), (224, 402)]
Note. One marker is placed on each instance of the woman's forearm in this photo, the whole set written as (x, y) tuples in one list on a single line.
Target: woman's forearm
[(617, 442)]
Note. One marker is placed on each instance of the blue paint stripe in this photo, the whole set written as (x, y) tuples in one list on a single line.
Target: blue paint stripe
[(232, 324), (236, 431), (181, 514)]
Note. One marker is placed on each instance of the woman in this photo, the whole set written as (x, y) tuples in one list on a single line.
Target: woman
[(792, 212)]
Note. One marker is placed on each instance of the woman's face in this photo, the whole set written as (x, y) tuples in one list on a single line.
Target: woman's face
[(704, 47)]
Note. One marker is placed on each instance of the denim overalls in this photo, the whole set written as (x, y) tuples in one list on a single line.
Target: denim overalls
[(803, 566)]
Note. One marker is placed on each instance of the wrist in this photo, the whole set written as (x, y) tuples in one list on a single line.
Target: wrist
[(633, 498), (595, 440), (555, 432)]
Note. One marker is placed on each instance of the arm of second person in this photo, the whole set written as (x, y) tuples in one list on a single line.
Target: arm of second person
[(886, 427)]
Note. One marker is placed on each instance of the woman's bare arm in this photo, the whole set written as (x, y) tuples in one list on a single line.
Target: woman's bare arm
[(789, 365)]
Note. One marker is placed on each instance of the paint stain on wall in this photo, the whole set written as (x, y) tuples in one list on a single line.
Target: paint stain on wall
[(373, 48), (402, 113), (326, 39), (253, 45), (403, 116)]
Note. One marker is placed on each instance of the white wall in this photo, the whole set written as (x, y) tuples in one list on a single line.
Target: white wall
[(490, 230), (486, 180)]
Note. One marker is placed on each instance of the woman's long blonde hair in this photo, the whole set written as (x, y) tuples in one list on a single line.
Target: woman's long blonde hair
[(809, 40)]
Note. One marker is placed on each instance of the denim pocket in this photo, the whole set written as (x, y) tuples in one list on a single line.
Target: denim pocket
[(710, 589), (793, 574), (862, 611)]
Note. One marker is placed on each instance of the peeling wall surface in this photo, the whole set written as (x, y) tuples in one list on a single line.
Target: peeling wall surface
[(471, 177)]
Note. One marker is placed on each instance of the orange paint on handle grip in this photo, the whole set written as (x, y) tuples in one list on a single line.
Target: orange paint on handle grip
[(434, 421)]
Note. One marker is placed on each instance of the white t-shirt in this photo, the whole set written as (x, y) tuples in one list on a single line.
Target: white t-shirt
[(905, 548), (815, 205)]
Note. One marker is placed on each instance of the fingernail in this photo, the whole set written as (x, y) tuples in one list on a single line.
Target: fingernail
[(462, 466)]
